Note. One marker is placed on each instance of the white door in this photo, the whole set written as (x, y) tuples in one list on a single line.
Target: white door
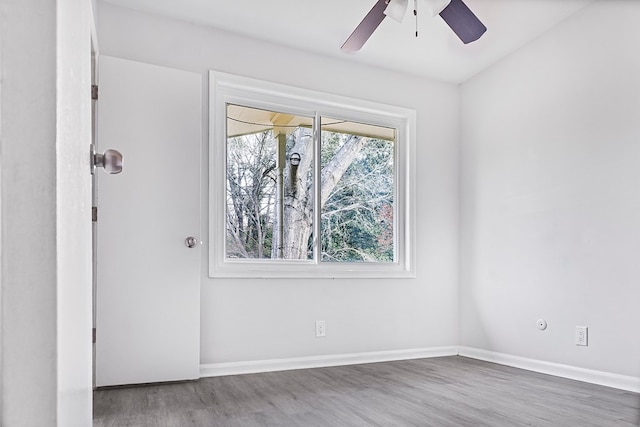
[(148, 280)]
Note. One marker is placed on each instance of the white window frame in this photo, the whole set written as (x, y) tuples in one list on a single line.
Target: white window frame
[(232, 89)]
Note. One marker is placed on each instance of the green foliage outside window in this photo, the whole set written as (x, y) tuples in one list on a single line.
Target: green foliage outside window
[(356, 189)]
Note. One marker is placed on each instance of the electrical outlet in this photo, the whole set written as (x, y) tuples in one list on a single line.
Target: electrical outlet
[(321, 328), (582, 337)]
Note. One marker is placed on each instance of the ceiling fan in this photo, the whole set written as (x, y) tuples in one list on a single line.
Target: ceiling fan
[(454, 12)]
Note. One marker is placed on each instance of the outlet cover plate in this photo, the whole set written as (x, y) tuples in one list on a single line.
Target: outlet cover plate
[(582, 336), (321, 328)]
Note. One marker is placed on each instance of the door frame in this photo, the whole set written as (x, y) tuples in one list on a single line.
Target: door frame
[(94, 143)]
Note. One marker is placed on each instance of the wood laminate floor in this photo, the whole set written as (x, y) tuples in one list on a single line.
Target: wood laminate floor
[(446, 391)]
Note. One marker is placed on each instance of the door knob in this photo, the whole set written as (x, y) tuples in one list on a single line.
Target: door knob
[(191, 242), (111, 161)]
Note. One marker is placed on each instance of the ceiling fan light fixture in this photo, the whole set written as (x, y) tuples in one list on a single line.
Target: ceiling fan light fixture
[(396, 9), (436, 6)]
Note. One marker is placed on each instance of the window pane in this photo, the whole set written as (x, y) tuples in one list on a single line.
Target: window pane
[(357, 189), (269, 187)]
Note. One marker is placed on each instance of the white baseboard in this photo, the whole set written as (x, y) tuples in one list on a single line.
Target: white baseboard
[(608, 379), (258, 366)]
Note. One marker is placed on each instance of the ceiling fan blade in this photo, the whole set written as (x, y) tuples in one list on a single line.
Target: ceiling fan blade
[(462, 21), (363, 31)]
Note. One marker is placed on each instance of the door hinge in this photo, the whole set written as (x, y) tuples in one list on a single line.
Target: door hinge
[(94, 213), (93, 337), (94, 92)]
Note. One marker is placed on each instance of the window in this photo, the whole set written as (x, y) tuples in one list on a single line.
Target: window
[(305, 184)]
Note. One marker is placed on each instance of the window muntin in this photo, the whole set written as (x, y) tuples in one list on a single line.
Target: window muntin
[(227, 90)]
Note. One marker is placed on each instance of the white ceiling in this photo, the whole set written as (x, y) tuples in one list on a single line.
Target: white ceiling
[(322, 26)]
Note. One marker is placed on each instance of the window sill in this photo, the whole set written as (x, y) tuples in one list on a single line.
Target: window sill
[(310, 270)]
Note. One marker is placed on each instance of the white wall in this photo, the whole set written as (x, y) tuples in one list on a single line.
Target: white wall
[(46, 296), (28, 144), (266, 319), (550, 205)]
